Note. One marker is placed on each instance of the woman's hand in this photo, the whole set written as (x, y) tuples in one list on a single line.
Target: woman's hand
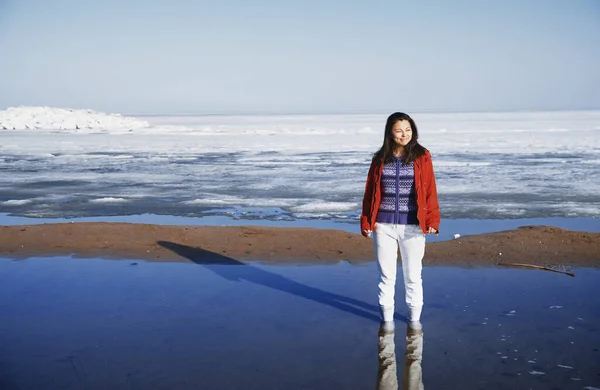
[(366, 233), (431, 230)]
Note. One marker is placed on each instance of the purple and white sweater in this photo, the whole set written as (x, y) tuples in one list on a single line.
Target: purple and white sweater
[(398, 202)]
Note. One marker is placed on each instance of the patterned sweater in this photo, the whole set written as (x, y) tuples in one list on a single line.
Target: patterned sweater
[(398, 202)]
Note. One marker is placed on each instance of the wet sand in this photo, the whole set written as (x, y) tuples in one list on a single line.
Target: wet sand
[(539, 245)]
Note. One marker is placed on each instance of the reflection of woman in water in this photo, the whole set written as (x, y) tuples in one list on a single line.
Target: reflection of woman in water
[(412, 373), (400, 206)]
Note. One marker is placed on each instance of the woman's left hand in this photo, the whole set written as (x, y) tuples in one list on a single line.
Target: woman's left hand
[(431, 230)]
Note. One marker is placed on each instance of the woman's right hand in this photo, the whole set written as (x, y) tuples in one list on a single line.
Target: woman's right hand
[(366, 233)]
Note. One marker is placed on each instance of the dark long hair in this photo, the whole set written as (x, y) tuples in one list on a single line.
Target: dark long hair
[(412, 150)]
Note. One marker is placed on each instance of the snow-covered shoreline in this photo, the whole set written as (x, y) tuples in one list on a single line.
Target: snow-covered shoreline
[(49, 118)]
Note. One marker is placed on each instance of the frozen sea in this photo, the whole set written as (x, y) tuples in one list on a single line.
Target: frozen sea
[(312, 167)]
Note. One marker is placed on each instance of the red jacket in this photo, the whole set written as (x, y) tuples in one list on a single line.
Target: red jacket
[(428, 210)]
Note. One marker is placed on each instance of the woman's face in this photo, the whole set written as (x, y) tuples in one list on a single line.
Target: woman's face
[(402, 132)]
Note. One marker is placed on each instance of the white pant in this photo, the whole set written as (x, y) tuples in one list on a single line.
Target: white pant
[(411, 240)]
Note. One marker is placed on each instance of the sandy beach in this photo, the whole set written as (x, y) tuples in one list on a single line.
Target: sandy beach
[(540, 245)]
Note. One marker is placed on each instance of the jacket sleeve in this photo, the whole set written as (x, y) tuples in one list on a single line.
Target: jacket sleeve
[(365, 217), (433, 208)]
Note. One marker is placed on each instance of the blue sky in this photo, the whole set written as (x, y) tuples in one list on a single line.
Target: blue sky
[(300, 56)]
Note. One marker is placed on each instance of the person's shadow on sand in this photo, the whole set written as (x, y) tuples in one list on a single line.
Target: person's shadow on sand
[(216, 262)]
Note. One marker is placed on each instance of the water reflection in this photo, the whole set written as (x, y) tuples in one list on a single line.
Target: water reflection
[(412, 374), (387, 376)]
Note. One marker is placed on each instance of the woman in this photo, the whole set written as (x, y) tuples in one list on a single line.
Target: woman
[(400, 206)]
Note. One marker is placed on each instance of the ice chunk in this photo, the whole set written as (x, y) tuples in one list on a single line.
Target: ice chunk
[(108, 200), (48, 118), (15, 202), (561, 366)]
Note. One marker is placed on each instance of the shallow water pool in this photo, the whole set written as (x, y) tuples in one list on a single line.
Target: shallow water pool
[(96, 324)]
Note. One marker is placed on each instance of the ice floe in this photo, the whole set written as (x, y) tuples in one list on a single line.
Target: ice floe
[(49, 118), (108, 200), (15, 202), (562, 366)]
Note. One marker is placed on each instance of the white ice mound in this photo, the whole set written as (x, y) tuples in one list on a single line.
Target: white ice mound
[(48, 118)]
